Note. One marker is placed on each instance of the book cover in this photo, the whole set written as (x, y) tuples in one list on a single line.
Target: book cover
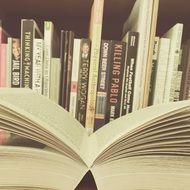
[(131, 40), (103, 84), (83, 80), (29, 30), (115, 80)]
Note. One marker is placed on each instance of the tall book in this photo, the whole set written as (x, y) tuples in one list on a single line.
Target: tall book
[(115, 80), (103, 84), (95, 37), (51, 49), (175, 35), (143, 19), (161, 71), (29, 31), (131, 39)]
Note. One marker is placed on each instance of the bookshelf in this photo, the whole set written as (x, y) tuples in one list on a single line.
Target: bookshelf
[(75, 15)]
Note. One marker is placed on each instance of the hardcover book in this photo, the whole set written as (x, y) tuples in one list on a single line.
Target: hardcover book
[(147, 149)]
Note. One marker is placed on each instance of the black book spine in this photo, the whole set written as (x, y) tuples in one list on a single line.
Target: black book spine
[(83, 80), (27, 37), (129, 76), (63, 58), (69, 69), (15, 62), (102, 88), (116, 79)]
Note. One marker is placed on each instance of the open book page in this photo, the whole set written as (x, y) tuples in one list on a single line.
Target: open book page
[(35, 168), (121, 130), (144, 172), (42, 116)]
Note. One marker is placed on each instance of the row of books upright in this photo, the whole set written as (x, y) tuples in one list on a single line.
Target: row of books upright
[(170, 70), (99, 80), (33, 61)]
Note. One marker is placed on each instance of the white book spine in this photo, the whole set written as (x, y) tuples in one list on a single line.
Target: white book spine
[(175, 34), (74, 77), (161, 71), (37, 65), (9, 62), (55, 79), (48, 35)]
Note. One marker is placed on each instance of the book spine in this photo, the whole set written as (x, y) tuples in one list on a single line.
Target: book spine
[(74, 77), (178, 79), (102, 88), (95, 36), (161, 71), (154, 67), (185, 65), (9, 62), (15, 52), (37, 65), (116, 80), (55, 79), (27, 37), (69, 69), (63, 58), (83, 80), (48, 38), (129, 72), (175, 34), (3, 67)]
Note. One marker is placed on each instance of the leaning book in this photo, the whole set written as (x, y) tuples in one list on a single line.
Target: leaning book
[(147, 149)]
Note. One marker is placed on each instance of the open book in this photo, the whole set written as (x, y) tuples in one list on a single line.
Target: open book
[(148, 149)]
